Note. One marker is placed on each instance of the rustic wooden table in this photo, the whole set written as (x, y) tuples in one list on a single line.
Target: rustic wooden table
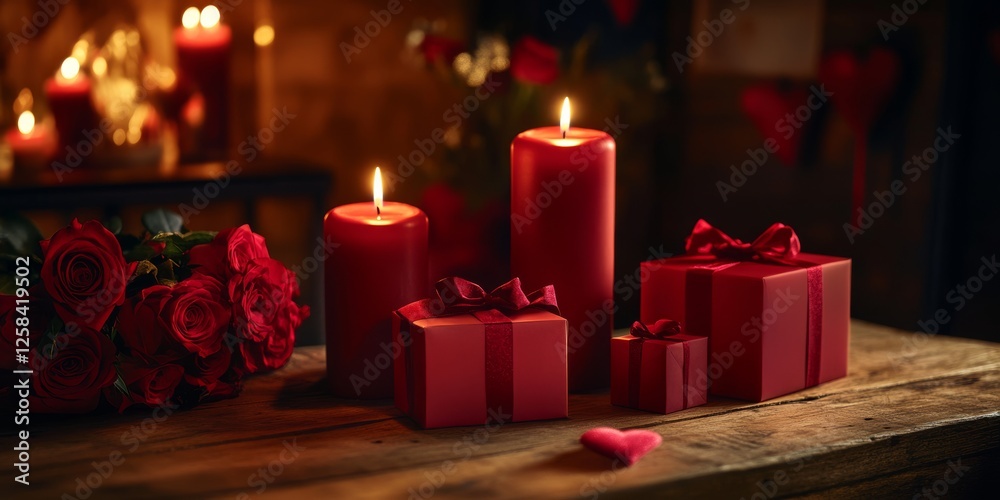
[(918, 416)]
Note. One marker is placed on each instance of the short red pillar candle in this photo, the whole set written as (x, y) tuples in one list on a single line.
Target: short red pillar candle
[(30, 144), (378, 264), (69, 99), (562, 233), (203, 54)]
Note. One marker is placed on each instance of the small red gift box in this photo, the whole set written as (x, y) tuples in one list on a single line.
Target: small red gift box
[(659, 369), (471, 358), (778, 320)]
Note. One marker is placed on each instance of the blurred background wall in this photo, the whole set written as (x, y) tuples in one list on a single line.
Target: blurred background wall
[(681, 109)]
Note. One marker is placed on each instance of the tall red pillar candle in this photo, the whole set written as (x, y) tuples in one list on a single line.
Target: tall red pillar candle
[(203, 53), (562, 233), (378, 265), (68, 94)]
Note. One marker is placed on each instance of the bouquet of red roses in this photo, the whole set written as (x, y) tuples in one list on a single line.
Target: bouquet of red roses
[(170, 317)]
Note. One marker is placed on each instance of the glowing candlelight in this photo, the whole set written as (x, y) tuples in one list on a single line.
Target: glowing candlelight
[(564, 118), (190, 17), (377, 192), (210, 17), (26, 123), (70, 69)]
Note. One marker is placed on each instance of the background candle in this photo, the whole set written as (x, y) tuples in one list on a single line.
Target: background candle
[(562, 233), (29, 143), (203, 52), (68, 94), (378, 266)]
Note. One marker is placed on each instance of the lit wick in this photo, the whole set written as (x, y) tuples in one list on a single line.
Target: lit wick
[(564, 117), (377, 193)]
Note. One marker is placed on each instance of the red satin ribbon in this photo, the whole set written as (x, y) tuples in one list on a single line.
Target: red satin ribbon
[(814, 325), (458, 296), (777, 245), (661, 330)]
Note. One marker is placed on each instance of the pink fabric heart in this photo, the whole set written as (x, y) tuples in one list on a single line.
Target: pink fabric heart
[(628, 446)]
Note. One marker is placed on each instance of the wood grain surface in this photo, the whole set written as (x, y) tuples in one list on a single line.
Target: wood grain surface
[(917, 417)]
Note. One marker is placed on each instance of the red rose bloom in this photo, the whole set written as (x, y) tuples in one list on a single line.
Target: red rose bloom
[(206, 372), (148, 385), (230, 252), (143, 329), (70, 376), (260, 297), (266, 314), (84, 272), (438, 48), (273, 352), (229, 386), (40, 313), (533, 61), (196, 314)]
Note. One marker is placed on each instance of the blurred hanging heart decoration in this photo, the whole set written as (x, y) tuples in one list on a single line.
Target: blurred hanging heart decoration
[(624, 10), (772, 109), (861, 90)]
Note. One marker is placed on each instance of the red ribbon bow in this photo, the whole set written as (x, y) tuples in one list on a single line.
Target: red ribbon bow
[(662, 328), (459, 296), (778, 244)]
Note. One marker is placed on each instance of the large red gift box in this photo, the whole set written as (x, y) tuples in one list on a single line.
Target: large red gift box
[(778, 320), (659, 369), (472, 358)]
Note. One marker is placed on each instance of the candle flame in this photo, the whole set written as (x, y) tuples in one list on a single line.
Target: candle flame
[(26, 122), (210, 16), (564, 117), (70, 68), (190, 17), (377, 192)]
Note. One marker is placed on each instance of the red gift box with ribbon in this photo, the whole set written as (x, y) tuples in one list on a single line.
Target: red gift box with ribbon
[(658, 368), (778, 320), (474, 358)]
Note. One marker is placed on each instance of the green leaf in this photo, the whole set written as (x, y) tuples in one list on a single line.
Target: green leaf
[(121, 386), (18, 235), (8, 266), (139, 253), (195, 238), (174, 248), (114, 224), (178, 244), (7, 285), (162, 221)]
